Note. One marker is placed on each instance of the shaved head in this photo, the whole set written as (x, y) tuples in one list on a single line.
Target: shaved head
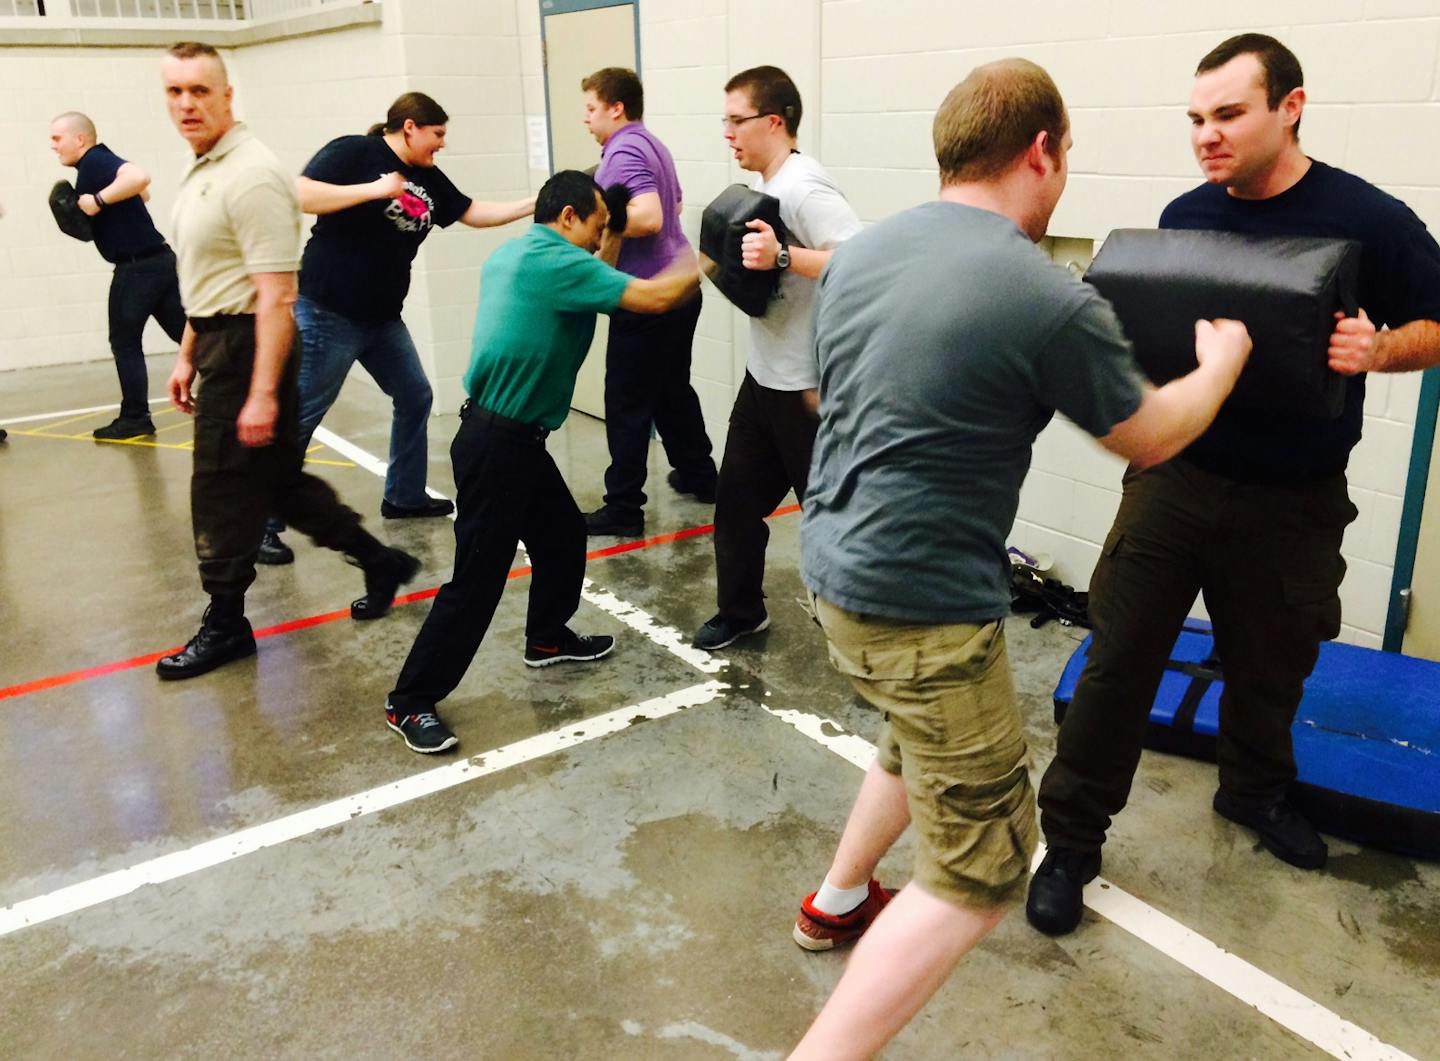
[(75, 122)]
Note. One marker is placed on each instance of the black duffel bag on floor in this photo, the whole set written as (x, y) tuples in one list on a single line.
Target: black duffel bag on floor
[(722, 227), (1286, 290)]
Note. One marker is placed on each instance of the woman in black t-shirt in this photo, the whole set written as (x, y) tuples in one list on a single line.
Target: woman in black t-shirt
[(376, 197)]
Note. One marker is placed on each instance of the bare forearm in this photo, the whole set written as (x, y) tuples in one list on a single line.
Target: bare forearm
[(1409, 348), (808, 263), (274, 330), (1171, 417), (488, 215), (129, 182), (318, 197)]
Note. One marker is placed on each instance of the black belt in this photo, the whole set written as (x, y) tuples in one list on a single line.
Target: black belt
[(470, 411), (221, 323), (130, 259)]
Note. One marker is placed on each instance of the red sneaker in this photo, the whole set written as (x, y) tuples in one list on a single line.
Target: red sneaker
[(819, 931)]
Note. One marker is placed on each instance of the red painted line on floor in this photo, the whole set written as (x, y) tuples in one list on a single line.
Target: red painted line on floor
[(100, 671)]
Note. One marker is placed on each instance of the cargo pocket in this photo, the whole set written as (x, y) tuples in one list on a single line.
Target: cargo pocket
[(217, 449), (989, 834), (876, 663), (1316, 599)]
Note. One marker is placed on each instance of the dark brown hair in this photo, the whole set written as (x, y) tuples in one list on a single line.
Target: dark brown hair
[(198, 50), (412, 106), (1279, 67), (772, 92), (615, 84)]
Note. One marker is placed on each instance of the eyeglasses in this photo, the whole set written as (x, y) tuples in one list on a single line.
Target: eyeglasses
[(730, 122)]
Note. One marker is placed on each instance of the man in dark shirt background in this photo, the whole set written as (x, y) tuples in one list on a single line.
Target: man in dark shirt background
[(1252, 514), (113, 192)]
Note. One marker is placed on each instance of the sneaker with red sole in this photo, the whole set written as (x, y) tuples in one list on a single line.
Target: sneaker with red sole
[(820, 931), (567, 647)]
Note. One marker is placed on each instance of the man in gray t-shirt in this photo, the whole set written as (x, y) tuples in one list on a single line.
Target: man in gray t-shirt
[(946, 342)]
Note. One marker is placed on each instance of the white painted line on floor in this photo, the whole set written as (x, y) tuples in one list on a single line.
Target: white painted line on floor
[(10, 421), (223, 849), (1237, 977), (363, 458), (1281, 1003)]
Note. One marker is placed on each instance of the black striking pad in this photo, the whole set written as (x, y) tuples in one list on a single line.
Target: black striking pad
[(1286, 290), (722, 227), (65, 205)]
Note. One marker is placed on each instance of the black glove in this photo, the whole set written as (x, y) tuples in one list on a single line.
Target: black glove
[(65, 205), (617, 201)]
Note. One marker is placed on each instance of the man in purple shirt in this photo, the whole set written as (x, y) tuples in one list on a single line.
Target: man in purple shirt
[(647, 361)]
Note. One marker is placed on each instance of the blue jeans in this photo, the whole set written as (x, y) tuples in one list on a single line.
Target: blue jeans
[(330, 344)]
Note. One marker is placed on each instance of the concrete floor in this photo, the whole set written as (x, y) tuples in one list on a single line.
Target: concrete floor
[(628, 898)]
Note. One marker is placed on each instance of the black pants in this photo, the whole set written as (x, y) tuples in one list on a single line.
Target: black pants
[(647, 380), (234, 487), (767, 454), (509, 492), (1267, 560), (140, 290)]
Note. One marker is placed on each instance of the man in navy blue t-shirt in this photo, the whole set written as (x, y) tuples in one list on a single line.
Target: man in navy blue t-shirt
[(113, 193), (1251, 514), (377, 198)]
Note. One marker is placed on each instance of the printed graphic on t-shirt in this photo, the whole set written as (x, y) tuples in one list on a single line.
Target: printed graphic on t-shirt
[(413, 211)]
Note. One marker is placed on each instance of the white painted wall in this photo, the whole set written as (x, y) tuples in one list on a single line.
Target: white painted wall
[(871, 73)]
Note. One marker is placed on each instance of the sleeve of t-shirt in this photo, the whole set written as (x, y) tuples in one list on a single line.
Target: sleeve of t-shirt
[(627, 165), (583, 283), (450, 202), (265, 217), (1411, 267), (824, 219), (96, 171), (1087, 370), (339, 162)]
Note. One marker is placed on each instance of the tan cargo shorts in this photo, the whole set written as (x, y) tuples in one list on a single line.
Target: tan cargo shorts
[(952, 732)]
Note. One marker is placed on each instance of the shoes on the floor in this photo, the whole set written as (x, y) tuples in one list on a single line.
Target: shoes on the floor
[(273, 551), (382, 579), (568, 647), (720, 631), (423, 731), (819, 931), (123, 427), (3, 434), (213, 646), (431, 509), (1056, 898), (1282, 830), (704, 492), (605, 523)]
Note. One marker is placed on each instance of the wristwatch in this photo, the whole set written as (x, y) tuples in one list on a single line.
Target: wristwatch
[(782, 257)]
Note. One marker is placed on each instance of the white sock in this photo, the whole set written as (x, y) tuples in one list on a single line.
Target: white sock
[(838, 901)]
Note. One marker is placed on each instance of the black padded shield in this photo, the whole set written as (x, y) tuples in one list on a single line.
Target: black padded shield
[(722, 227), (1286, 290), (65, 205)]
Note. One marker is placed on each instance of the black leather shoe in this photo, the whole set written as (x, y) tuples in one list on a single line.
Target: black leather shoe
[(604, 523), (123, 427), (273, 551), (720, 631), (382, 579), (432, 508), (702, 492), (1056, 897), (213, 646), (1282, 830)]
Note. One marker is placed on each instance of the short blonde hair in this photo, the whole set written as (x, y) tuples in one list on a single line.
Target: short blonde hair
[(989, 119)]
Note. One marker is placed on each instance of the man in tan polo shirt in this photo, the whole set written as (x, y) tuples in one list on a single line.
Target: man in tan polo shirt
[(237, 241)]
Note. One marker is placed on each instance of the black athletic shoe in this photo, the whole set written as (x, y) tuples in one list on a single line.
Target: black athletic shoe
[(273, 551), (720, 631), (1282, 830), (703, 492), (604, 523), (423, 732), (432, 508), (1056, 891), (213, 646), (123, 427), (3, 434), (569, 646), (382, 579)]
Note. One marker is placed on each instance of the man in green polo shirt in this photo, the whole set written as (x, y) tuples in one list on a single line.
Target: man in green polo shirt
[(538, 298)]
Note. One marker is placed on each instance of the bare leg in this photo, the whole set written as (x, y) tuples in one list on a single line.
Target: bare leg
[(898, 964), (879, 816)]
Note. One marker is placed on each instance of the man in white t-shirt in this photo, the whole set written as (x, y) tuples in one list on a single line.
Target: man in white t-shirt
[(772, 427)]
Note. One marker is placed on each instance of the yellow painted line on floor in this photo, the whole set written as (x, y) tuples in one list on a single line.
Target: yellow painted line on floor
[(87, 414), (147, 444), (172, 427)]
